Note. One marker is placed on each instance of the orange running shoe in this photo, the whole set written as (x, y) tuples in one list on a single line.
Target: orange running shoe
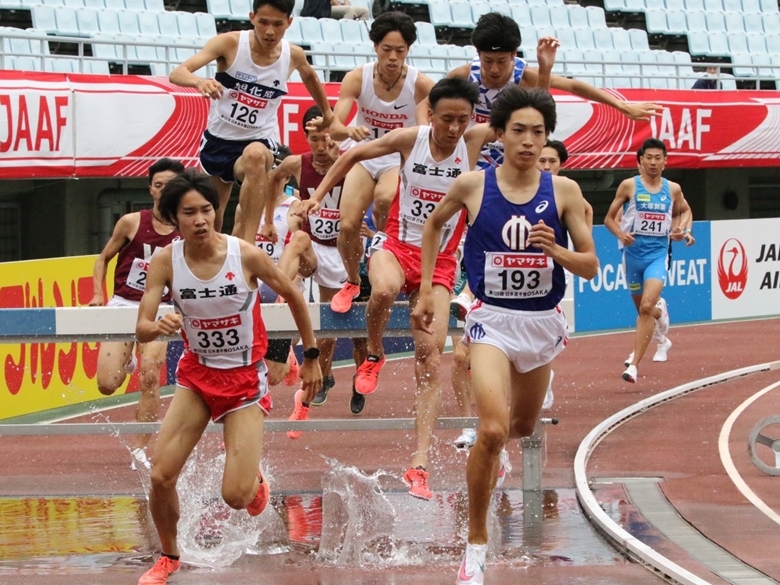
[(159, 573), (342, 300), (417, 480), (260, 501), (291, 379), (367, 376), (301, 412)]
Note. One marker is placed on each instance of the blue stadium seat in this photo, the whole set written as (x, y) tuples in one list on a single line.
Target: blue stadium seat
[(419, 58), (94, 4), (168, 23), (137, 5), (764, 69), (693, 5), (240, 9), (655, 5), (596, 17), (666, 68), (478, 9), (319, 52), (737, 43), (741, 66), (584, 37), (620, 39), (364, 53), (719, 45), (298, 7), (756, 43), (734, 22), (310, 29), (461, 15), (148, 23), (753, 23), (11, 5), (559, 17), (128, 22), (60, 65), (459, 56), (115, 4), (352, 31), (715, 22), (656, 22), (426, 33), (768, 6), (221, 8), (713, 5), (602, 38), (773, 44), (43, 18), (439, 13), (87, 19), (638, 39), (331, 30), (96, 67), (567, 37), (635, 6), (522, 14), (613, 70), (698, 43), (104, 46), (73, 3), (188, 24), (578, 16), (293, 34), (751, 6), (368, 5), (675, 22), (614, 5), (439, 64), (631, 67), (771, 22), (108, 20), (696, 21), (529, 37), (732, 6), (344, 62), (573, 61), (684, 69), (540, 16), (155, 5), (504, 9)]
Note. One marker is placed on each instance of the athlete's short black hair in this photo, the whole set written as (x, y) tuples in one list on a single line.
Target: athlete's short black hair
[(179, 186), (516, 98), (309, 115), (165, 164), (496, 33), (453, 87), (388, 22), (560, 148), (647, 145), (285, 6)]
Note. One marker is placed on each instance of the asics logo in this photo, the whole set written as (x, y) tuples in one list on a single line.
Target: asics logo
[(476, 331), (542, 206)]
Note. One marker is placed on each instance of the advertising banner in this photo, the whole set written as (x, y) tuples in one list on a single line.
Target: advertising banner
[(61, 125), (604, 302), (745, 268)]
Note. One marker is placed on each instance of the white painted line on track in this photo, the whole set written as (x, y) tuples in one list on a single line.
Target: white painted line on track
[(728, 463)]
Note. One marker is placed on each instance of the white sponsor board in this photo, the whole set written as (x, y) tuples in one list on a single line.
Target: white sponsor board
[(745, 268)]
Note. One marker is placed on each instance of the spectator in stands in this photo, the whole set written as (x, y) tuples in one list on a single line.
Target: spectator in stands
[(136, 238), (337, 9), (497, 66), (710, 81), (240, 139)]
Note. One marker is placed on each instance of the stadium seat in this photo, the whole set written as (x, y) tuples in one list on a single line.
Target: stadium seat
[(364, 53), (559, 17), (578, 16), (207, 27), (696, 21), (108, 20), (584, 37), (426, 33), (319, 52), (621, 40), (613, 70), (104, 46), (567, 37), (655, 5), (240, 9), (43, 18), (522, 14), (221, 8), (602, 38), (769, 6), (639, 40), (155, 5), (764, 68), (73, 3), (345, 61), (715, 22), (573, 61), (737, 43), (753, 23), (631, 67), (168, 23), (368, 5), (635, 6), (87, 19), (148, 24), (61, 65), (461, 15), (713, 5), (732, 6), (310, 29), (540, 16), (136, 5), (691, 5), (187, 23), (439, 13), (96, 66), (419, 58), (331, 30), (115, 4), (675, 22), (771, 22), (596, 17), (666, 68), (614, 5), (773, 44), (698, 43), (504, 9), (734, 22), (439, 58), (293, 34), (459, 56), (656, 22), (298, 7), (756, 44), (94, 4), (128, 22), (685, 71), (479, 8), (741, 66), (719, 45)]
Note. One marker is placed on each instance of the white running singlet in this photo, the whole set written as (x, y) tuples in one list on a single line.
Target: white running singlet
[(283, 233)]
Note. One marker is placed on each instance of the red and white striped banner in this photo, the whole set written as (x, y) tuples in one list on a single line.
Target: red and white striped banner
[(55, 125)]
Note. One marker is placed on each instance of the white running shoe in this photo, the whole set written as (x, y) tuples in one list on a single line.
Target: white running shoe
[(629, 359), (132, 364), (504, 467), (549, 398), (662, 349), (466, 440), (472, 569), (630, 374), (139, 455), (459, 306), (662, 323)]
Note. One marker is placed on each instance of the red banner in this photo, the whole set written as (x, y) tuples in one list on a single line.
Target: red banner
[(54, 125)]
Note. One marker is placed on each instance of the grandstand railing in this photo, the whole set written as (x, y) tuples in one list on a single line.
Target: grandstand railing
[(644, 75)]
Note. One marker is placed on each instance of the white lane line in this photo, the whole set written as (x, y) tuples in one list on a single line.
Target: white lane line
[(728, 463)]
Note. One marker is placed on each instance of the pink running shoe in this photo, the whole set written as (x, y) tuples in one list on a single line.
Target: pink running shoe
[(417, 480), (159, 573), (300, 412), (342, 300), (291, 379), (260, 501), (367, 376)]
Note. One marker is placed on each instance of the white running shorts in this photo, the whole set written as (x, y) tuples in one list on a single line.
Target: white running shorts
[(330, 271)]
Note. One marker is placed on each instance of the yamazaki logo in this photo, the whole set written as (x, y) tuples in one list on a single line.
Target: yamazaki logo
[(732, 268), (42, 360)]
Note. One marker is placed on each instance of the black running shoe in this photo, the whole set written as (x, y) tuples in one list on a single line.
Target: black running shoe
[(321, 397), (358, 400)]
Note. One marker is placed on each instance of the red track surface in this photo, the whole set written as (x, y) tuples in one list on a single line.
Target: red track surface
[(677, 441)]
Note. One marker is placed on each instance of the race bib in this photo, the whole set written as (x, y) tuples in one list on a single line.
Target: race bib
[(418, 204), (218, 336), (136, 278), (325, 225), (512, 275), (243, 110), (648, 223), (268, 247)]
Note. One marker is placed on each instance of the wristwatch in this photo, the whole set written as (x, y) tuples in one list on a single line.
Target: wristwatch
[(312, 353)]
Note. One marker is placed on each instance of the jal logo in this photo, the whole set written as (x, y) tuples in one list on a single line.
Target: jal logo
[(732, 268)]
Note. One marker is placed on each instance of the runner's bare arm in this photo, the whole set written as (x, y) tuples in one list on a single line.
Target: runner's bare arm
[(624, 192), (124, 230), (348, 93), (160, 275), (313, 84), (218, 49)]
